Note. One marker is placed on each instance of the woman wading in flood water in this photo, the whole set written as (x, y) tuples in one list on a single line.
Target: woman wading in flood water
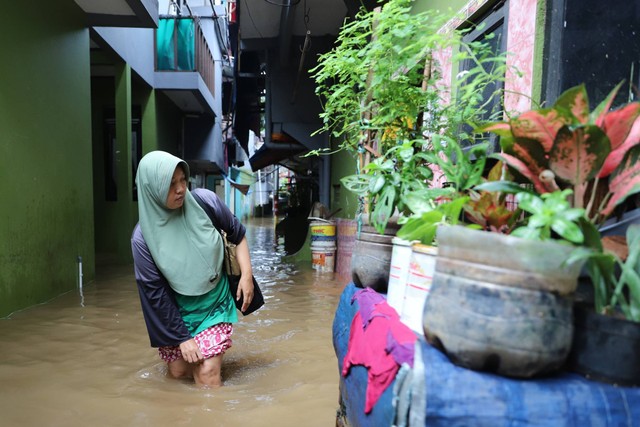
[(178, 258)]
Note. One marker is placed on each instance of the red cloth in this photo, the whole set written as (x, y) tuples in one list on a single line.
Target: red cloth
[(374, 344)]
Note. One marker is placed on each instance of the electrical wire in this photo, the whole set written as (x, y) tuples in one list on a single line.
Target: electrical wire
[(252, 21)]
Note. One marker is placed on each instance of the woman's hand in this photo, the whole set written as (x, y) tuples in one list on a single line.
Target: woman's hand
[(245, 291), (191, 352), (245, 285)]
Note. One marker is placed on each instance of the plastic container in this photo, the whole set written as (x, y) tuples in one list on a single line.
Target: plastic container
[(500, 303), (398, 273), (323, 257), (323, 233), (422, 267)]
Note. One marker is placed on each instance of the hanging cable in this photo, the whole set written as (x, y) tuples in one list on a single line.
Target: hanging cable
[(305, 49), (252, 21), (306, 16)]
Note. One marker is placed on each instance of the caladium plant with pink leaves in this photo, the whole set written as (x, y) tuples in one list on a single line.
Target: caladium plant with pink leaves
[(570, 146)]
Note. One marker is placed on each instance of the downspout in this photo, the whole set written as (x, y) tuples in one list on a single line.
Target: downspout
[(286, 28)]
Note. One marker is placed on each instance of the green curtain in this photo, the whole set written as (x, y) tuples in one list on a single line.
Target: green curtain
[(175, 43), (164, 44), (186, 45)]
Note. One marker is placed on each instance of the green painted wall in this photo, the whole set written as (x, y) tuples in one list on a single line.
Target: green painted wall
[(160, 128), (444, 6), (342, 164), (538, 59), (46, 214)]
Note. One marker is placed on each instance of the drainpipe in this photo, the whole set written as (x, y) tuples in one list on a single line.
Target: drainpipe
[(80, 281), (286, 28)]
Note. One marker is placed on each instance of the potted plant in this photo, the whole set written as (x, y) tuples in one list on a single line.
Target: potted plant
[(606, 341), (498, 302), (594, 154), (382, 101)]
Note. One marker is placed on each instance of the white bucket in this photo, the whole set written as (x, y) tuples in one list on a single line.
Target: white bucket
[(398, 272), (421, 269), (323, 258)]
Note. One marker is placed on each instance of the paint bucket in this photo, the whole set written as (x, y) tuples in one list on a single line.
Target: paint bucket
[(323, 233), (398, 272), (323, 257), (421, 270)]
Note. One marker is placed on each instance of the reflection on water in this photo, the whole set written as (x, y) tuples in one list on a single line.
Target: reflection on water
[(69, 365)]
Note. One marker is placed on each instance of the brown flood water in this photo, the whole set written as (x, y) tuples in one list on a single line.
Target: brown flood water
[(87, 362)]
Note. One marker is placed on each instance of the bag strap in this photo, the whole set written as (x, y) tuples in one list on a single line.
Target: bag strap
[(209, 211)]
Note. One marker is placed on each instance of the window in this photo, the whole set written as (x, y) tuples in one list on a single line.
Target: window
[(491, 27), (592, 42)]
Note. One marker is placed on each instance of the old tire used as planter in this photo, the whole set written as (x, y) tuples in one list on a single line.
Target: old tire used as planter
[(605, 347), (500, 303), (371, 257)]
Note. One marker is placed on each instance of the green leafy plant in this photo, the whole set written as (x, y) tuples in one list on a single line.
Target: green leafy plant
[(383, 100), (431, 207), (423, 227), (371, 82), (616, 283), (389, 180), (550, 212)]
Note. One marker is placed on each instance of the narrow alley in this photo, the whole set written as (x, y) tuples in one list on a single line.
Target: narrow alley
[(85, 360)]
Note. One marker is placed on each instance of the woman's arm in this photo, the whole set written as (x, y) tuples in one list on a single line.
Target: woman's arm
[(245, 285), (162, 317)]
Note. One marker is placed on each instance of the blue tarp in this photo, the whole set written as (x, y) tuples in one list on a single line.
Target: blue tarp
[(461, 397)]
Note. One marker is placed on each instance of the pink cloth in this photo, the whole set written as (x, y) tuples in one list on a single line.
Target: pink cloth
[(381, 343), (212, 342)]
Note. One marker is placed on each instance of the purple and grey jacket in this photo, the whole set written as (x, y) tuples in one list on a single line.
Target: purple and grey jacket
[(161, 314)]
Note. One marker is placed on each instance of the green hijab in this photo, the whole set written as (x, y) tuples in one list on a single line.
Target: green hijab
[(185, 246)]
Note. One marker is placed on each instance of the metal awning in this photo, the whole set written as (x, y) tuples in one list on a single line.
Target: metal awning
[(240, 178)]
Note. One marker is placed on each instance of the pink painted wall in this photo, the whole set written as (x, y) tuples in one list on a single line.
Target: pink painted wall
[(521, 35), (521, 28)]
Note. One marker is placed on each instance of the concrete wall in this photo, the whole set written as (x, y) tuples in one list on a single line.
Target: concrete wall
[(135, 46), (46, 216)]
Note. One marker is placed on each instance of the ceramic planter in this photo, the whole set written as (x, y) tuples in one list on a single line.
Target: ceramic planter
[(500, 303)]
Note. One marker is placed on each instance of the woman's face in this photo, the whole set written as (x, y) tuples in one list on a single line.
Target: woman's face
[(177, 190)]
